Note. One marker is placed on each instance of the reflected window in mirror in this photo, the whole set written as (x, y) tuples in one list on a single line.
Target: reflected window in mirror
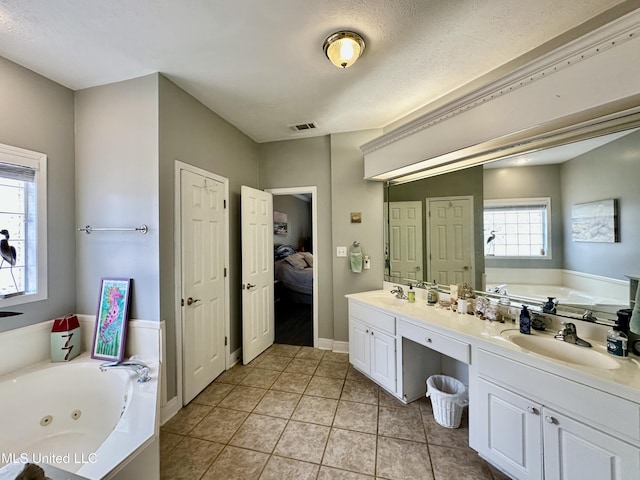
[(517, 227)]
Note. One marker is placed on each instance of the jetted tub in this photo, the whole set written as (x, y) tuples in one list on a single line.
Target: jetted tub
[(564, 295), (75, 417)]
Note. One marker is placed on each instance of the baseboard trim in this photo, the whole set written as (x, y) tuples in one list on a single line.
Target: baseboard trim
[(169, 410), (234, 357), (333, 345)]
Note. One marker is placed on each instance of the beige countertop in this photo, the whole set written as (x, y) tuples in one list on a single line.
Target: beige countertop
[(623, 381)]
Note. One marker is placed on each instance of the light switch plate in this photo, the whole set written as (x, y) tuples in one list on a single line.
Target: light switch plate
[(341, 251)]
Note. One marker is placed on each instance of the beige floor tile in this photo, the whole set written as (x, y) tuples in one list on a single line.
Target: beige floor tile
[(260, 377), (291, 382), (336, 357), (353, 374), (403, 460), (401, 423), (243, 398), (220, 425), (278, 404), (280, 468), (332, 369), (363, 392), (237, 464), (189, 459), (353, 451), (273, 362), (187, 418), (259, 432), (168, 441), (284, 350), (325, 387), (328, 473), (305, 366), (359, 417), (311, 353), (459, 464), (303, 441), (213, 394), (447, 437), (234, 375), (315, 410), (388, 400)]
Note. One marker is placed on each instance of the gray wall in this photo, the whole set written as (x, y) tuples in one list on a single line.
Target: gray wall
[(302, 163), (353, 194), (298, 220), (611, 171), (117, 186), (461, 183), (37, 114), (529, 182), (193, 134)]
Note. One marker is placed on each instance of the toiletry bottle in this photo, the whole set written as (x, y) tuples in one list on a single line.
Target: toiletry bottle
[(411, 294), (525, 320), (432, 295), (617, 340)]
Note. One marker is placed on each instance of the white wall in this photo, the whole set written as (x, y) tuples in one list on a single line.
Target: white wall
[(117, 186), (37, 114)]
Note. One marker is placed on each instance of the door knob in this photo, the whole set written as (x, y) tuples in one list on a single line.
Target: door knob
[(248, 286), (191, 300)]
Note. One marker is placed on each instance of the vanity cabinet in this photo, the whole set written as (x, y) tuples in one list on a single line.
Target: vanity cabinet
[(372, 344), (514, 426)]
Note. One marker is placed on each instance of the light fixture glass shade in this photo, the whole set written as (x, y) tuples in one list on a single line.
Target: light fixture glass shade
[(343, 48)]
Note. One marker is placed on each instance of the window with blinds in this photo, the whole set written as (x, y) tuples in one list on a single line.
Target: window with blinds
[(22, 226), (517, 228)]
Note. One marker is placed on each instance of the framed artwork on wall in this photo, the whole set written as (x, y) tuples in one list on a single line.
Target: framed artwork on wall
[(595, 222), (280, 224), (109, 337)]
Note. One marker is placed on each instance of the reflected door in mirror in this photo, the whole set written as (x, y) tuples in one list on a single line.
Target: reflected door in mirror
[(405, 251)]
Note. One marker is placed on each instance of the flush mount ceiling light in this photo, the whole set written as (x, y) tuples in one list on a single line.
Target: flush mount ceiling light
[(343, 48)]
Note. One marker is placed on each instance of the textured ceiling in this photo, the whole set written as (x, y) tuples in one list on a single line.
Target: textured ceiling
[(259, 64)]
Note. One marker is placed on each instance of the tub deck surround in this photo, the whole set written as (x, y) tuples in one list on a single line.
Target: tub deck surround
[(623, 382)]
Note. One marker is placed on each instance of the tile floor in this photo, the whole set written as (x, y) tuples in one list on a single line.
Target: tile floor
[(301, 413)]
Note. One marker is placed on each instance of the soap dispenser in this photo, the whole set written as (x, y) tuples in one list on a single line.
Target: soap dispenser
[(525, 320), (411, 294), (617, 340)]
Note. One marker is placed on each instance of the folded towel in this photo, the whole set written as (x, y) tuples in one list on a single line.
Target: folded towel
[(634, 324), (356, 262)]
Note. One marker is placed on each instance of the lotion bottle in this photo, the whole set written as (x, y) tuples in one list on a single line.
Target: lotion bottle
[(411, 295), (525, 320)]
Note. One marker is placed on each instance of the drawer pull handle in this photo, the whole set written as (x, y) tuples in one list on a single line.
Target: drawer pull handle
[(429, 340), (532, 410), (550, 419)]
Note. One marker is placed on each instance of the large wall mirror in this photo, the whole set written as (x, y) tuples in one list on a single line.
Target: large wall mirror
[(560, 222)]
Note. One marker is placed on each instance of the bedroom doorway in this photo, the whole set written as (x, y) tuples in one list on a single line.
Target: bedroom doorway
[(296, 265)]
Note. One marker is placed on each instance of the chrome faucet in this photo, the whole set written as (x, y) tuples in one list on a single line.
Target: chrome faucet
[(399, 293), (141, 369), (569, 334), (589, 316)]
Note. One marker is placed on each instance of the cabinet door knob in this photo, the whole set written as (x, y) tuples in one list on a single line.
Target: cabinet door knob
[(532, 410), (428, 340), (549, 419)]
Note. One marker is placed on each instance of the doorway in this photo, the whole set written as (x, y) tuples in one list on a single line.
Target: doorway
[(295, 304)]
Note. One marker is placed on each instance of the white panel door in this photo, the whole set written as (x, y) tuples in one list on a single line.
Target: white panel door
[(383, 359), (575, 451), (203, 287), (450, 233), (405, 229), (258, 328), (359, 346)]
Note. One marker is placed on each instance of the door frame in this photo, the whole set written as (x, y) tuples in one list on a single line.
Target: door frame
[(427, 241), (317, 264), (177, 252)]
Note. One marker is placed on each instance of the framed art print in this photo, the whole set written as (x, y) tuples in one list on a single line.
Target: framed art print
[(109, 338)]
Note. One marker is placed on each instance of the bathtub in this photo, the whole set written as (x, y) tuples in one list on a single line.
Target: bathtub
[(563, 295), (76, 418)]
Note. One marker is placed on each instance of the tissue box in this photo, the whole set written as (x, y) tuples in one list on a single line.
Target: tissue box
[(65, 339)]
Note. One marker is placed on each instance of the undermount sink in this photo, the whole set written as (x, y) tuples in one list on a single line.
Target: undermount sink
[(549, 346), (387, 299)]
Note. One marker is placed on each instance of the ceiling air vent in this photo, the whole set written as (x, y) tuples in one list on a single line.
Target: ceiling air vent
[(303, 127)]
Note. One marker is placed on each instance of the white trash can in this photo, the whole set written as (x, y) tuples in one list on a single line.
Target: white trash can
[(448, 399)]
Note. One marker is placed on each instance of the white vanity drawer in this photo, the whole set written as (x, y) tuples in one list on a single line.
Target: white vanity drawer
[(595, 407), (374, 318), (435, 341)]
